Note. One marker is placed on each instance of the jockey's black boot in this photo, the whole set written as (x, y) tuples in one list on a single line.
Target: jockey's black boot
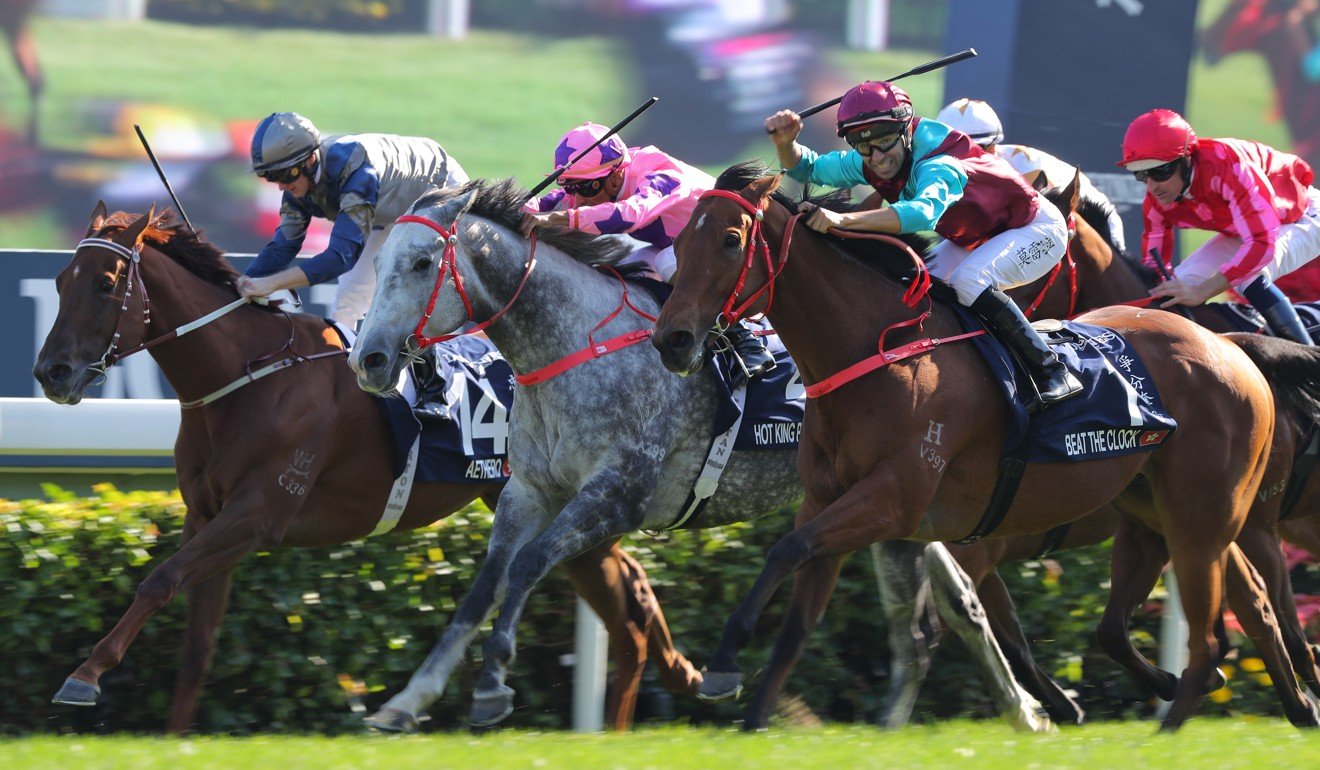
[(1280, 315), (1052, 379), (750, 348)]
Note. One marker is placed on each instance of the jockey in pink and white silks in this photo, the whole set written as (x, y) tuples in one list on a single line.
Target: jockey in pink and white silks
[(1259, 201), (999, 232), (642, 192), (1042, 170)]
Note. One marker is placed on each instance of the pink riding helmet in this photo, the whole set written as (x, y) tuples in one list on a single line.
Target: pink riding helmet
[(874, 103), (611, 153)]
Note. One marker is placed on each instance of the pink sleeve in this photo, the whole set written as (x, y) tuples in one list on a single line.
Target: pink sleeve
[(1251, 202), (1157, 234), (548, 202)]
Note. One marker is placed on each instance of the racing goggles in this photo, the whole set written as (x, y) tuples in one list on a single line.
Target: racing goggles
[(862, 142), (1159, 173), (584, 188), (281, 175)]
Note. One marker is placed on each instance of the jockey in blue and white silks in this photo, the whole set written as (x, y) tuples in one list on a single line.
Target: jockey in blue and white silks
[(361, 182)]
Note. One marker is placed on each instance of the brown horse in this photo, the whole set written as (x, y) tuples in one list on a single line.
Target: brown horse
[(15, 16), (235, 456), (867, 468), (1093, 276)]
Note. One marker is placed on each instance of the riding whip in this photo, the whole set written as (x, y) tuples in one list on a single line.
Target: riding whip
[(646, 105), (161, 173), (930, 66)]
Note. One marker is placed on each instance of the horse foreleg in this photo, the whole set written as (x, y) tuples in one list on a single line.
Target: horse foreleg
[(1260, 545), (598, 577), (905, 601), (1248, 595), (235, 532), (813, 585), (872, 510), (1138, 558), (960, 607), (1002, 616), (515, 523), (1200, 588), (677, 673), (605, 508), (207, 601)]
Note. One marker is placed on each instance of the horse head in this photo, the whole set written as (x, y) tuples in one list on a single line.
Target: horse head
[(413, 268), (724, 265), (97, 302)]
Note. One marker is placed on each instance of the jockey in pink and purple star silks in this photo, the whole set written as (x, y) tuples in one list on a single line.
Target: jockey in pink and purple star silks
[(615, 189), (643, 192)]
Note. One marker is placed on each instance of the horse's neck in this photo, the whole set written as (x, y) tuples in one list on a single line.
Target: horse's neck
[(224, 345), (561, 303), (1105, 278), (830, 309)]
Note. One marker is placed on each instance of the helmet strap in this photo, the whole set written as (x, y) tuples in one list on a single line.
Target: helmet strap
[(1185, 168)]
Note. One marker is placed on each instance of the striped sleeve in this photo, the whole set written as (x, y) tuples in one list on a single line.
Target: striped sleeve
[(1251, 202), (1157, 235)]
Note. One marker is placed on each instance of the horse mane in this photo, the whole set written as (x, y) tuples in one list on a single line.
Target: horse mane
[(875, 254), (180, 244), (501, 201)]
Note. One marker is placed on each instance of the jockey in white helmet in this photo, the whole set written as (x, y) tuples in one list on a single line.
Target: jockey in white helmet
[(979, 121)]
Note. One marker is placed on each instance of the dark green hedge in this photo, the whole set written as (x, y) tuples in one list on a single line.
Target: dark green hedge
[(314, 634)]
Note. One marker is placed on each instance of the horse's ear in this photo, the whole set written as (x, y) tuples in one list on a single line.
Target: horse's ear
[(132, 234), (465, 201), (762, 188), (97, 220)]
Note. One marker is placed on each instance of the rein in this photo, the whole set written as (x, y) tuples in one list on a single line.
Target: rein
[(595, 350), (911, 297), (449, 263), (133, 275)]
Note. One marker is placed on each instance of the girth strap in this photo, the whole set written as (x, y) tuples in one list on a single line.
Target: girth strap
[(1301, 471), (1053, 541), (721, 449)]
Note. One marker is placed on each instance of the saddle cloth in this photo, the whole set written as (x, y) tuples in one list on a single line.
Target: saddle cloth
[(1118, 412)]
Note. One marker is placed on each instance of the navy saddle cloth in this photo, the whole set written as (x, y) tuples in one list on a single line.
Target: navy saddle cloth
[(775, 402), (1118, 412), (469, 443)]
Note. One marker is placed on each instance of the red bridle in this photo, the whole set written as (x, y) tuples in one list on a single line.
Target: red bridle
[(449, 263), (755, 242)]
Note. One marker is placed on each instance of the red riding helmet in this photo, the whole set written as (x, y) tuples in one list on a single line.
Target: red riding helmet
[(1155, 138), (874, 101)]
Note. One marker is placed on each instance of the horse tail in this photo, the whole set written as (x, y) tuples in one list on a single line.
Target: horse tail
[(1293, 371)]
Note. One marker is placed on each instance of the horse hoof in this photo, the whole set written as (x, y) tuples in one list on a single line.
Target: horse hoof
[(76, 693), (491, 708), (390, 720), (1217, 680), (718, 685)]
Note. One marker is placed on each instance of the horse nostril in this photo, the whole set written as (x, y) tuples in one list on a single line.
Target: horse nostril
[(374, 362), (679, 340), (55, 373)]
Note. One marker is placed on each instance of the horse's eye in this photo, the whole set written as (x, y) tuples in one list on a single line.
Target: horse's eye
[(423, 264), (732, 240), (106, 285)]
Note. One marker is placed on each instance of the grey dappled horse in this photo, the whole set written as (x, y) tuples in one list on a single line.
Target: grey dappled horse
[(604, 449)]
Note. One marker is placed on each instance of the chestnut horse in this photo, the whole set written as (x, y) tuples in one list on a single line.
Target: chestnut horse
[(865, 482), (1094, 275), (230, 453)]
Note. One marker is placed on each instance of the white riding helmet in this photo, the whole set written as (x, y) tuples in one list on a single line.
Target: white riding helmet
[(974, 118)]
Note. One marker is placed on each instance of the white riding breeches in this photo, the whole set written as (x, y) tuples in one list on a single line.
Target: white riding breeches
[(1295, 245), (662, 261), (358, 284), (1012, 258)]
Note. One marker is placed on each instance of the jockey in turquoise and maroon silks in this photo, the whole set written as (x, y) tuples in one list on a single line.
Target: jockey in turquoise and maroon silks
[(1259, 201), (642, 192), (999, 232)]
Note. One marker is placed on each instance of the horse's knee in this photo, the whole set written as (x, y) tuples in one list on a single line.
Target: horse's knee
[(1113, 639), (157, 590)]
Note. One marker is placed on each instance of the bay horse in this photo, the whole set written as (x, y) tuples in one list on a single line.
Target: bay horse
[(867, 482), (1094, 275), (598, 450), (233, 456)]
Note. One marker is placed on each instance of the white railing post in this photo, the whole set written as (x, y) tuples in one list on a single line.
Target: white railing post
[(589, 671)]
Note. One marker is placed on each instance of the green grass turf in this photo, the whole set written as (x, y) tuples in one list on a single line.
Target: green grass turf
[(1206, 743)]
